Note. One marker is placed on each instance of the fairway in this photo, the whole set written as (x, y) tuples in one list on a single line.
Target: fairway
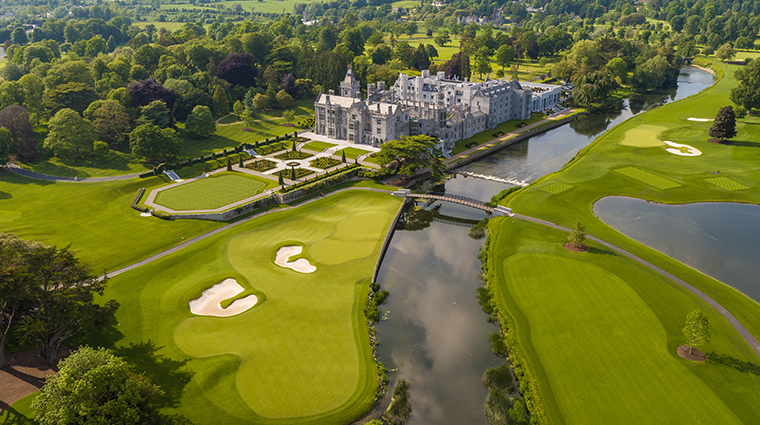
[(603, 331), (302, 353), (647, 178), (644, 136), (214, 191)]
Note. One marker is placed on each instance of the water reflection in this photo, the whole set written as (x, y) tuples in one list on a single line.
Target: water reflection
[(718, 239), (436, 333), (548, 152)]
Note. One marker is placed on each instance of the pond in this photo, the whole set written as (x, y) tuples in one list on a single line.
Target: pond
[(717, 238)]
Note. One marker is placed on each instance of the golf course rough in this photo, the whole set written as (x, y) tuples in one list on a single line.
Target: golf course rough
[(302, 353)]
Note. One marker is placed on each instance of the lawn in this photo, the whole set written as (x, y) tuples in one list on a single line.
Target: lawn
[(301, 355), (94, 217), (318, 146), (607, 167), (601, 332), (351, 153), (485, 136), (214, 191)]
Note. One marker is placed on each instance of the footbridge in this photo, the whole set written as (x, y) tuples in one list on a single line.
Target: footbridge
[(456, 199)]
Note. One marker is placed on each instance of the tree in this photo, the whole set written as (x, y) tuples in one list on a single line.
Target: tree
[(221, 103), (408, 154), (111, 123), (145, 91), (281, 181), (70, 136), (442, 39), (63, 300), (343, 156), (725, 52), (261, 102), (155, 113), (238, 68), (482, 61), (284, 100), (399, 411), (16, 119), (504, 55), (697, 329), (289, 84), (14, 284), (200, 122), (74, 95), (289, 115), (577, 236), (724, 125), (154, 143), (7, 148), (746, 93), (93, 386), (229, 165), (618, 68)]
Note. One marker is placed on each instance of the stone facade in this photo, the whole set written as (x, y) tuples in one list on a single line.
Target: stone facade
[(450, 110)]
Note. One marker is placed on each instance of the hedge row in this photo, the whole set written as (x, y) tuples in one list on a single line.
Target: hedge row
[(523, 372), (321, 178), (136, 201)]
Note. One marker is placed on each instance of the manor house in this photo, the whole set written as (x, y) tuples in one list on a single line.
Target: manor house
[(450, 110)]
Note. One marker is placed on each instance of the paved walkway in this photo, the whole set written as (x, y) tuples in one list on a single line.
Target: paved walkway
[(40, 176), (227, 227), (725, 313)]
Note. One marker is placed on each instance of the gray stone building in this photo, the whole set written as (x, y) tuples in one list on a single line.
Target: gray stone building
[(450, 110)]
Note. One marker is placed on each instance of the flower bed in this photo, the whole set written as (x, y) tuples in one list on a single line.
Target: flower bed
[(293, 155), (300, 172), (261, 165), (324, 163)]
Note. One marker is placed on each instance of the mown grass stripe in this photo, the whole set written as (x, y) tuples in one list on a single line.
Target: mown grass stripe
[(647, 178), (726, 183), (556, 187)]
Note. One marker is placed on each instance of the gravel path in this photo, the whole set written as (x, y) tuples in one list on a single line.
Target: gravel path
[(40, 176), (725, 313)]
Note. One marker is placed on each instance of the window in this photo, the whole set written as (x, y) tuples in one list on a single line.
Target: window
[(378, 131), (379, 122)]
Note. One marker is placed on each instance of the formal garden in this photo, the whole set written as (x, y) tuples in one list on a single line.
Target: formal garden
[(214, 191)]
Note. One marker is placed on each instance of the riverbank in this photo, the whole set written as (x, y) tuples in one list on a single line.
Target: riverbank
[(605, 168)]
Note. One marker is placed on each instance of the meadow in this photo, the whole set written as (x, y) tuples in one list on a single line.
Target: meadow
[(628, 161)]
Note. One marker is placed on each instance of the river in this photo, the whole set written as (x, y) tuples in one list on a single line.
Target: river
[(434, 333)]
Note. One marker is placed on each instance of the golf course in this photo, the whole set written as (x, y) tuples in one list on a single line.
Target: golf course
[(599, 331), (301, 354)]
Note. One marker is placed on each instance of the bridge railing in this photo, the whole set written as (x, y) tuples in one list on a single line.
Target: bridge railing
[(453, 198)]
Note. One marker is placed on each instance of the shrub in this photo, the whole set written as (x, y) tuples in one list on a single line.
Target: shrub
[(501, 195), (160, 214), (287, 173), (293, 155), (330, 178), (324, 162), (136, 200), (499, 379), (497, 344), (400, 410), (262, 165), (484, 298)]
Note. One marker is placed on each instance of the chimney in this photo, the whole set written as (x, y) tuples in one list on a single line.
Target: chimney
[(332, 92), (425, 73)]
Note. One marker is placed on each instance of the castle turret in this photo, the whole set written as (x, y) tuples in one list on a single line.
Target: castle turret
[(349, 87)]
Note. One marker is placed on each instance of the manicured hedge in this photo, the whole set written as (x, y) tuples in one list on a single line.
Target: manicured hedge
[(324, 162), (300, 172), (325, 180), (293, 155), (136, 201), (261, 165)]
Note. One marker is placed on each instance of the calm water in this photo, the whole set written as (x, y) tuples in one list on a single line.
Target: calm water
[(537, 156), (435, 332), (717, 238)]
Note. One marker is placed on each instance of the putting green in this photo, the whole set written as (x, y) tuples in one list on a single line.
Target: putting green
[(302, 354), (644, 136), (214, 191)]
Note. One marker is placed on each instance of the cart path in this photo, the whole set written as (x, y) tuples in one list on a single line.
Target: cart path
[(724, 312)]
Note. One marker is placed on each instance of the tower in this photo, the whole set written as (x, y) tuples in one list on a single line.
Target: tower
[(349, 87)]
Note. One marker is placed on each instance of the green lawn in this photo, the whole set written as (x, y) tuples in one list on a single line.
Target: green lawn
[(318, 146), (602, 331), (351, 153), (214, 191), (301, 355), (94, 217), (229, 119), (488, 135), (605, 168)]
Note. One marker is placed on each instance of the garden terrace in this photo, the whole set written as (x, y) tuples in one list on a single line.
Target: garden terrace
[(324, 162)]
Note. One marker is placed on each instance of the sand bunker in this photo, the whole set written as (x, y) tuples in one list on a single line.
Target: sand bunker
[(699, 119), (210, 302), (145, 214), (677, 149), (301, 265)]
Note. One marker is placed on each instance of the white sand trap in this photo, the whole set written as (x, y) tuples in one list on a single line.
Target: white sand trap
[(145, 214), (301, 265), (675, 150), (210, 302), (700, 119)]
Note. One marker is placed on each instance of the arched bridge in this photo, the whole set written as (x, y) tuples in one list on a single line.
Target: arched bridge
[(462, 200)]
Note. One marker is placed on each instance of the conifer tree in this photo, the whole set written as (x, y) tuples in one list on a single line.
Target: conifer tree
[(724, 126)]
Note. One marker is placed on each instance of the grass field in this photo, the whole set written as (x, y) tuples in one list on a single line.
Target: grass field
[(351, 153), (644, 136), (318, 146), (302, 354), (94, 217), (607, 168), (488, 135), (602, 332), (214, 191)]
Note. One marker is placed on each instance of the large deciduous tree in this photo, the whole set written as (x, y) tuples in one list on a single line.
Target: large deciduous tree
[(70, 136), (200, 122), (746, 93), (238, 68), (153, 142), (7, 148), (155, 113), (93, 386), (111, 123), (408, 154), (724, 125), (145, 91), (16, 119), (63, 296), (697, 329)]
